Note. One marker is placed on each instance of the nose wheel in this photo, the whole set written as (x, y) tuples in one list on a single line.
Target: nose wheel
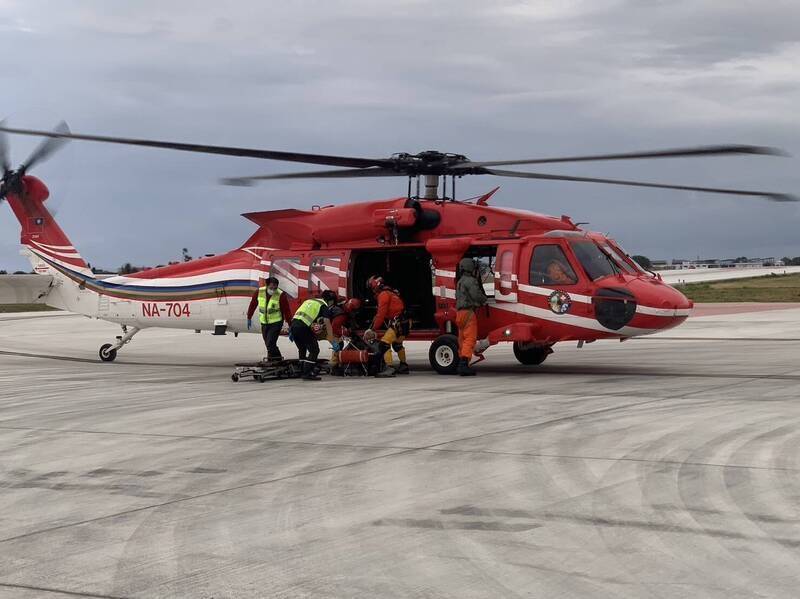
[(108, 351)]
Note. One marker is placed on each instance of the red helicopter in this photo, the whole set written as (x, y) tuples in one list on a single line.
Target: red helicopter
[(547, 280)]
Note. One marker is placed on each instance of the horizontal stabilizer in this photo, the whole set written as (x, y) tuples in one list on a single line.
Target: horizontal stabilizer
[(262, 218)]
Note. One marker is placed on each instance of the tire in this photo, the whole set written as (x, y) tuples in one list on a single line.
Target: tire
[(532, 356), (443, 354), (106, 353), (235, 377)]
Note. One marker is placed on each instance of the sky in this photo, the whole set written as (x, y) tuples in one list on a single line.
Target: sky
[(489, 79)]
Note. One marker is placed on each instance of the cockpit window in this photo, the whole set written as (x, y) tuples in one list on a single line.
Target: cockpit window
[(549, 266), (596, 264), (621, 250), (619, 260)]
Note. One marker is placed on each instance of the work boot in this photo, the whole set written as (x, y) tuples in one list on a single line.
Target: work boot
[(388, 372), (308, 372), (464, 369), (402, 368)]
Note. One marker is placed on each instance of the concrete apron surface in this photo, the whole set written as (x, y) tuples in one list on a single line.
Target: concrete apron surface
[(661, 467)]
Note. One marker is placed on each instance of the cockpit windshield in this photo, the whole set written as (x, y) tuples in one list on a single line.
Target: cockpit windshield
[(619, 260), (621, 250), (595, 262)]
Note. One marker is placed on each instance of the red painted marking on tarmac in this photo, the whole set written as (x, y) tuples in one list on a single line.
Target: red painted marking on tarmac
[(740, 308)]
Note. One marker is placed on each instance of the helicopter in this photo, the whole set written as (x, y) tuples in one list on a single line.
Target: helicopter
[(547, 280)]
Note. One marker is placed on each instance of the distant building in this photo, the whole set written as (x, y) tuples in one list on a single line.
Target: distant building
[(682, 264)]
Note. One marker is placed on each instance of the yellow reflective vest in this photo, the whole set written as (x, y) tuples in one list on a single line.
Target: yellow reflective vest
[(269, 310), (309, 310)]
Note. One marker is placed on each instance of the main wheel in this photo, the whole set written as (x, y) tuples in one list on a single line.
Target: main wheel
[(107, 354), (533, 355), (443, 354)]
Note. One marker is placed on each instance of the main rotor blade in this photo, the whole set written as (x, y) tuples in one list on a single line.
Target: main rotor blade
[(207, 149), (5, 161), (672, 153), (57, 138), (340, 174), (775, 197)]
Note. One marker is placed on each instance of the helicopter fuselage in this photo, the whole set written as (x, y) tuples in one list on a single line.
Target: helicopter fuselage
[(546, 279)]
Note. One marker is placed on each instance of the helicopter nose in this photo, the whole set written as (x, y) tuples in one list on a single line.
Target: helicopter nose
[(660, 306), (648, 305)]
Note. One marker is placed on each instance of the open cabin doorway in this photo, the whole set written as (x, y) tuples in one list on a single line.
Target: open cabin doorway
[(409, 270)]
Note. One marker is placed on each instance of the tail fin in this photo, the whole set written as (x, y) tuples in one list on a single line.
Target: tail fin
[(48, 248)]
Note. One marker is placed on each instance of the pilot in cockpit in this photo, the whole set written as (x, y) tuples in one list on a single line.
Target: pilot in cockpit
[(558, 274)]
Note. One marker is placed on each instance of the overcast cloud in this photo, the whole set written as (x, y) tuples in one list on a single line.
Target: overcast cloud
[(491, 80)]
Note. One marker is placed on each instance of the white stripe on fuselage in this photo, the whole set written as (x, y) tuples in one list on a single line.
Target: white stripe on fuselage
[(210, 277), (550, 316)]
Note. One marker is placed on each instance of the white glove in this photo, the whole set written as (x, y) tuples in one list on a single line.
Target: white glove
[(369, 335), (285, 328)]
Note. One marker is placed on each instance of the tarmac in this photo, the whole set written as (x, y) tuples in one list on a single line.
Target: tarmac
[(660, 467)]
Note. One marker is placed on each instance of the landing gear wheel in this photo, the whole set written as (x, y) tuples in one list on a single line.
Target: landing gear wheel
[(443, 354), (107, 354), (531, 356), (235, 377)]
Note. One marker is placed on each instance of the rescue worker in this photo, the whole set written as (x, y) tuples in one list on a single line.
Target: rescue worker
[(469, 297), (273, 312), (301, 332), (391, 315), (342, 323)]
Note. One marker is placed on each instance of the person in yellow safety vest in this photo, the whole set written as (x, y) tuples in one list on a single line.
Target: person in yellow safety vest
[(300, 331), (273, 311)]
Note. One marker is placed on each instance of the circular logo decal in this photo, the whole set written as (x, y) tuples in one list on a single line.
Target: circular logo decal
[(559, 302)]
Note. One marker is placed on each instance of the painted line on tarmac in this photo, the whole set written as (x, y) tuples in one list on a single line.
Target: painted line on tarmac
[(46, 356), (98, 361), (6, 319), (59, 591)]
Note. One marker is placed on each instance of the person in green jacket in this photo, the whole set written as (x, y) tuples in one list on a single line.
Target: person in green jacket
[(469, 297)]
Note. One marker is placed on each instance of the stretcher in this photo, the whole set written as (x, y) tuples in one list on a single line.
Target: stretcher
[(358, 358), (270, 370)]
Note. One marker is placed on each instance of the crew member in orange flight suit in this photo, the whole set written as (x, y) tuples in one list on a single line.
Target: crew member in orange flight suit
[(391, 314), (469, 297)]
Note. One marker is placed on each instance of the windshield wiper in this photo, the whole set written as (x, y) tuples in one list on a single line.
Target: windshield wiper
[(617, 270)]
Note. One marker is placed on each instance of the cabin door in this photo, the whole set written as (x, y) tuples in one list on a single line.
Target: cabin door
[(506, 269), (328, 271)]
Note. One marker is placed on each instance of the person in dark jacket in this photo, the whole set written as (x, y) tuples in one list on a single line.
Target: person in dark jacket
[(312, 313), (469, 297)]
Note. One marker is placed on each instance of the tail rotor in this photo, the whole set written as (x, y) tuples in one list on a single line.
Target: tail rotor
[(12, 179)]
